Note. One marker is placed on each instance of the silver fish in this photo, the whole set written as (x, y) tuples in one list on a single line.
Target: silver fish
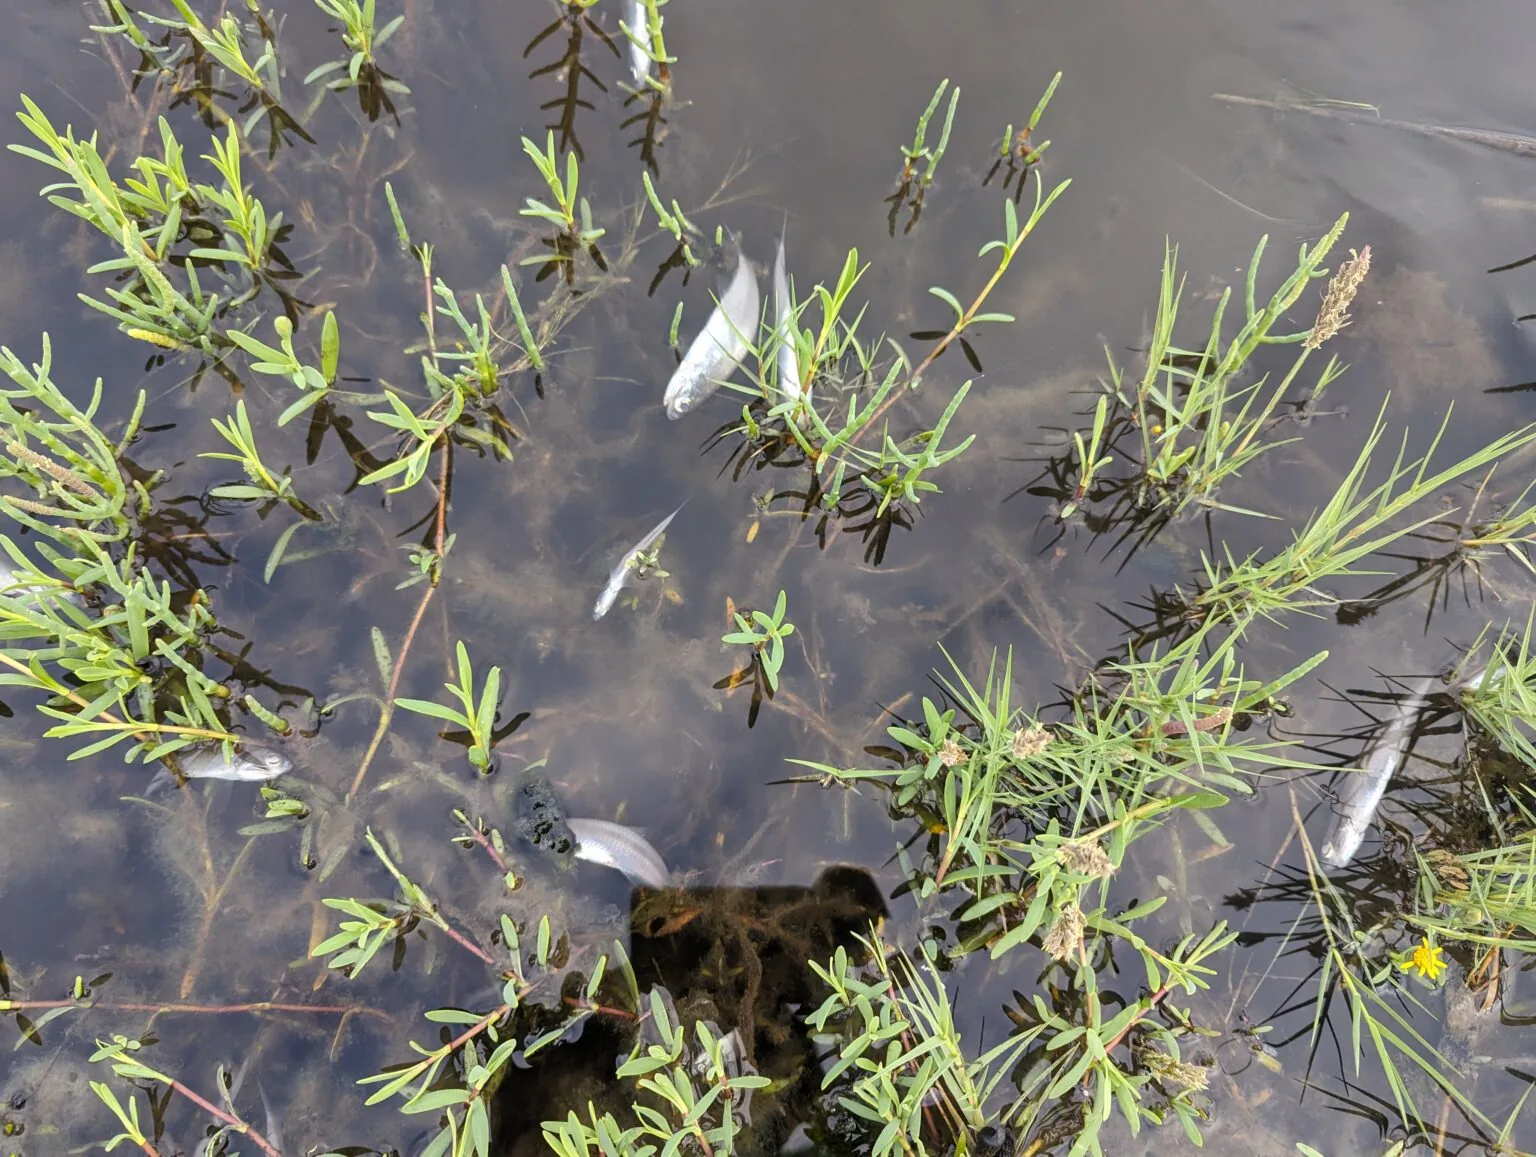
[(732, 1053), (252, 763), (784, 332), (733, 1057), (621, 573), (1363, 790), (1474, 681), (639, 43), (274, 1121), (721, 344), (616, 846)]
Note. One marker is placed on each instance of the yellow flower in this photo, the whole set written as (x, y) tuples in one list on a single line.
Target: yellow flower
[(1427, 960)]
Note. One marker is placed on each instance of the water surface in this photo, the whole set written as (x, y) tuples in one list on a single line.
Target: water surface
[(798, 112)]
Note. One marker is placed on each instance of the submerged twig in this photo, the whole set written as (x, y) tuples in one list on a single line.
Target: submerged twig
[(1516, 143)]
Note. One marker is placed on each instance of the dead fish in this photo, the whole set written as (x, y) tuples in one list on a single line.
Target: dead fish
[(721, 344), (639, 43), (1474, 681), (732, 1053), (733, 1058), (626, 567), (616, 846), (274, 1121), (784, 331), (252, 763), (1363, 790), (798, 1141)]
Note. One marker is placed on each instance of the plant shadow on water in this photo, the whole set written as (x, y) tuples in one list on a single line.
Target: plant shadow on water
[(405, 343)]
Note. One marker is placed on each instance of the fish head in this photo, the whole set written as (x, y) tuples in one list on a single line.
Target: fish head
[(1342, 843), (266, 762)]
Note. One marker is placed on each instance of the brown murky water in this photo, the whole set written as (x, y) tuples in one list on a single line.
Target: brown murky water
[(800, 110)]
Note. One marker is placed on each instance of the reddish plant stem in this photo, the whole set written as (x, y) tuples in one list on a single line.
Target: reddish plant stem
[(464, 941), (955, 332), (480, 838), (600, 1009), (945, 1101), (1175, 727), (229, 1119), (1119, 1037), (148, 1006), (439, 536)]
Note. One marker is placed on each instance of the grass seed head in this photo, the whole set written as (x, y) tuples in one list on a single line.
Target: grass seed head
[(1334, 314), (1030, 741), (1086, 858), (952, 754), (1065, 935)]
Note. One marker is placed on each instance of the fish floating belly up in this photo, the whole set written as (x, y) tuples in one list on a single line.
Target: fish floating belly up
[(639, 43), (252, 763), (1362, 791), (784, 332), (626, 567), (616, 846), (721, 344)]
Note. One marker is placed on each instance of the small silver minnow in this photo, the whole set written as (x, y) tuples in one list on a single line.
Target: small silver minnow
[(252, 763), (1363, 789), (616, 846), (721, 344), (626, 567), (639, 42), (784, 331)]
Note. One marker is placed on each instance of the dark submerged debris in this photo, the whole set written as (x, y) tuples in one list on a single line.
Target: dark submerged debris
[(541, 819)]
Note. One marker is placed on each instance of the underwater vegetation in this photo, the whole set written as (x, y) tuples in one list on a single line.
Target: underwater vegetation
[(426, 805)]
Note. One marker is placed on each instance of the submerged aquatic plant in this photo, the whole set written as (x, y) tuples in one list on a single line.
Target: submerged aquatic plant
[(702, 1091), (912, 183), (764, 632), (1027, 817), (1018, 150), (476, 714), (117, 653), (313, 382), (1192, 423), (166, 227), (360, 69), (570, 212), (648, 60), (882, 483), (1498, 690)]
